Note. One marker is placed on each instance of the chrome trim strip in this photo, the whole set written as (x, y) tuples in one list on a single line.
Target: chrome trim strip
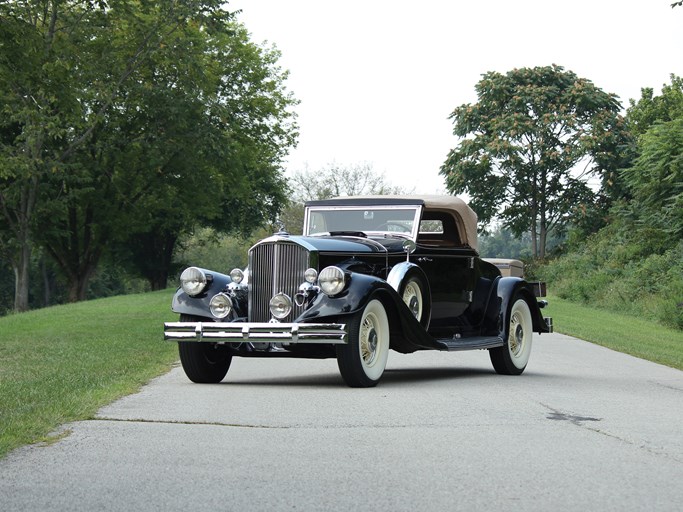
[(237, 332)]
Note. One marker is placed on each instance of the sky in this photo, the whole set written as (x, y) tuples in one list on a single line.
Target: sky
[(378, 79)]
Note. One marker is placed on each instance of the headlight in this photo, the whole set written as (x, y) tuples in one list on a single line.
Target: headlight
[(193, 280), (331, 280), (220, 305), (236, 275), (280, 306), (311, 275)]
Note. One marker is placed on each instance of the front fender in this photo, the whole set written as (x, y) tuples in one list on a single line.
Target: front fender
[(354, 298), (407, 335), (198, 305)]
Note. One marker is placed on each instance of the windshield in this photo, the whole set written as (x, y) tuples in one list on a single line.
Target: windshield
[(387, 220)]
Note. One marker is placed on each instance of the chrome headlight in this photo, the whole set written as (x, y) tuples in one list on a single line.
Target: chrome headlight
[(220, 305), (280, 306), (311, 275), (236, 275), (332, 280), (193, 280)]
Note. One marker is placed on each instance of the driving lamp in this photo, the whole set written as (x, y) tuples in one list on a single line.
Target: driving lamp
[(220, 305), (280, 306), (236, 275)]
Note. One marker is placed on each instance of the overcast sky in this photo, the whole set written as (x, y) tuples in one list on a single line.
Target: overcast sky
[(377, 79)]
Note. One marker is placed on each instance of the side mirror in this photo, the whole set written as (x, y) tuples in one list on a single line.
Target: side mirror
[(409, 248)]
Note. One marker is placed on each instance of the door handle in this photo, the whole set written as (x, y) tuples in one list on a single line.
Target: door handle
[(424, 259)]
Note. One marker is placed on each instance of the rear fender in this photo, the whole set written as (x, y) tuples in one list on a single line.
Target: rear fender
[(508, 289)]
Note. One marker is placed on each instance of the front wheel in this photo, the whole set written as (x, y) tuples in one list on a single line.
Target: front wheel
[(513, 356), (203, 363), (362, 361)]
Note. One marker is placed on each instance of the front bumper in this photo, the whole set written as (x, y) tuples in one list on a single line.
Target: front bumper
[(238, 332)]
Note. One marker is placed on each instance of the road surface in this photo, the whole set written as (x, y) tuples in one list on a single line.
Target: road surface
[(584, 428)]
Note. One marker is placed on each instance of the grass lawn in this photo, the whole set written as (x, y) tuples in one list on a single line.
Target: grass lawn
[(63, 363), (624, 333)]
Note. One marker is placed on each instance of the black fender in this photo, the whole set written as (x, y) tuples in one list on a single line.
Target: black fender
[(407, 335), (198, 305), (398, 276), (507, 289)]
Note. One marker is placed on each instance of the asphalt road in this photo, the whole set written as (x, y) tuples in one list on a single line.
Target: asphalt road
[(584, 428)]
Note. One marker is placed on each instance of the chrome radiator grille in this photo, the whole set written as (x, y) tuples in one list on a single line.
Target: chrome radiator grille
[(275, 267)]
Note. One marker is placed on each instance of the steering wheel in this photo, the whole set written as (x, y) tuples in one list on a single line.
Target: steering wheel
[(402, 228)]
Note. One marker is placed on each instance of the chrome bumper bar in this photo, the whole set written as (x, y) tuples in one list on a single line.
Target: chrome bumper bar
[(236, 332)]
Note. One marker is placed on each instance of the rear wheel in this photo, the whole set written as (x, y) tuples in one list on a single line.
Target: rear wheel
[(203, 363), (513, 356), (362, 361)]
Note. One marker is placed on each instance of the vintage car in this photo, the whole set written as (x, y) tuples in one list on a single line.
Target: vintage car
[(368, 274)]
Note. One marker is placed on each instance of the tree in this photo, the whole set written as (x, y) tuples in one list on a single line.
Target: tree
[(655, 180), (529, 145), (58, 78), (650, 109), (186, 147), (178, 120)]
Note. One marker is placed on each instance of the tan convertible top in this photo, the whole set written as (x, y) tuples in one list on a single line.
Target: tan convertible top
[(465, 217)]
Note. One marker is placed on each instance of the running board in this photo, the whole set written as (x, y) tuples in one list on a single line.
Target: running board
[(474, 343)]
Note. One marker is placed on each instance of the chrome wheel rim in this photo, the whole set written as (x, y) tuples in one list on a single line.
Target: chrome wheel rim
[(412, 296), (369, 339), (516, 339)]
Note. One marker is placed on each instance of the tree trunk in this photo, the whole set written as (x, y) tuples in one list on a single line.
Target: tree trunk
[(46, 282), (21, 278), (542, 241), (78, 287)]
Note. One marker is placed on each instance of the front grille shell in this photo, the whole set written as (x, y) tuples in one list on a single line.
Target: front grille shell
[(276, 267)]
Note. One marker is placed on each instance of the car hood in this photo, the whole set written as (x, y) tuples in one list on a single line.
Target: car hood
[(342, 244)]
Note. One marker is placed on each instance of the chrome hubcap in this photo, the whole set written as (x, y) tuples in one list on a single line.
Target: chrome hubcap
[(411, 296), (516, 339), (369, 340)]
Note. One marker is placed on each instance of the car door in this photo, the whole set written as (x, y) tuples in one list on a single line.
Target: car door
[(451, 279)]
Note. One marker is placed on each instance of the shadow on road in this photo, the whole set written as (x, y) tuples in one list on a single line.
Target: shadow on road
[(391, 377)]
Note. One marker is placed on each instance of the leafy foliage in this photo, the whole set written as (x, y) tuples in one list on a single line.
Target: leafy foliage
[(528, 145), (635, 264), (126, 123), (622, 270)]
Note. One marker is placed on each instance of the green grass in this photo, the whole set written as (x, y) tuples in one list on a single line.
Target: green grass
[(625, 333), (63, 363)]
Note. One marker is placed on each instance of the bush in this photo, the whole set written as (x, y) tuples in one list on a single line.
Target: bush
[(614, 271)]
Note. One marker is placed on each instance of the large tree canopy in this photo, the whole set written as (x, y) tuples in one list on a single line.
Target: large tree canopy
[(529, 145), (127, 122)]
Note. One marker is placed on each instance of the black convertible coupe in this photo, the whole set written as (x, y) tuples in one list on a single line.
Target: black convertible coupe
[(369, 274)]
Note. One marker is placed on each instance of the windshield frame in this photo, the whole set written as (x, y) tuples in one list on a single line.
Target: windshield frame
[(382, 234)]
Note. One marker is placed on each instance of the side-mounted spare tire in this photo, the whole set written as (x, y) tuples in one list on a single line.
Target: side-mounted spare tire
[(415, 293), (203, 363)]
